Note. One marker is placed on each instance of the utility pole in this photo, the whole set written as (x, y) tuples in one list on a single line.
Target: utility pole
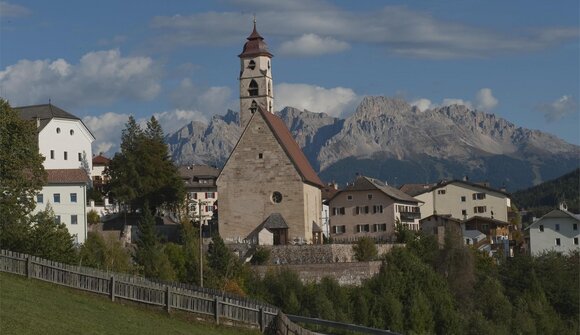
[(200, 245)]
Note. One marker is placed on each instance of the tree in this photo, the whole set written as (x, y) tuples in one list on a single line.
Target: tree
[(50, 239), (93, 217), (142, 172), (150, 255), (22, 176), (106, 254), (365, 249)]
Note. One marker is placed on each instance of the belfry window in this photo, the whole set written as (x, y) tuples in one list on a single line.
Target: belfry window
[(253, 88), (251, 65), (253, 106)]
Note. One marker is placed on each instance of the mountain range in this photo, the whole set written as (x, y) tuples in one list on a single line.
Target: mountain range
[(388, 139)]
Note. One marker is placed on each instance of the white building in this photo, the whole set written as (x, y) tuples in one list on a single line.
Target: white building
[(460, 199), (201, 191), (65, 192), (555, 231), (65, 142)]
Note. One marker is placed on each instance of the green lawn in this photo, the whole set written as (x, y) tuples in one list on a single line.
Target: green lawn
[(35, 307)]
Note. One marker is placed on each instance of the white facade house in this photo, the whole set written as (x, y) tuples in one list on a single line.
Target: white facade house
[(201, 191), (65, 192), (65, 142), (555, 231), (460, 199)]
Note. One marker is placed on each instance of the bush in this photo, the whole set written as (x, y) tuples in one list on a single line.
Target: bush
[(93, 217), (261, 256), (365, 250)]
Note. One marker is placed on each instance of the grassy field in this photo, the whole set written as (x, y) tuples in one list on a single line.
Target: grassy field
[(36, 307)]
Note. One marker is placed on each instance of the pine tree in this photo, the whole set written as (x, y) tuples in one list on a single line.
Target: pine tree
[(142, 171)]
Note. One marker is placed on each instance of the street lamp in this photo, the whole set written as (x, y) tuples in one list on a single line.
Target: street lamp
[(199, 204)]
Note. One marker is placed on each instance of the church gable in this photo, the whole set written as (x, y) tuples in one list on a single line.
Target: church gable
[(258, 157)]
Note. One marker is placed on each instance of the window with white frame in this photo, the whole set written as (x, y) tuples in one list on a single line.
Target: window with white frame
[(56, 198), (363, 228), (478, 196), (558, 242), (479, 209), (73, 198), (377, 227), (74, 219), (40, 198), (338, 229)]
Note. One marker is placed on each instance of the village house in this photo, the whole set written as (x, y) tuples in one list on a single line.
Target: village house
[(65, 142), (369, 208), (555, 231), (269, 193), (440, 226), (201, 191), (461, 199)]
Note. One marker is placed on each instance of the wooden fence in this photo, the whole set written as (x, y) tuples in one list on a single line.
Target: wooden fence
[(134, 288)]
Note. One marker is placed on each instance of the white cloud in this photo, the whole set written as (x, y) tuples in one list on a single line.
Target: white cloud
[(11, 10), (560, 108), (210, 101), (422, 104), (107, 131), (312, 45), (100, 78), (398, 29), (335, 101), (454, 101), (484, 100)]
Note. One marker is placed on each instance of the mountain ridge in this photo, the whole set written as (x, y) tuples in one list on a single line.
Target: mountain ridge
[(389, 139)]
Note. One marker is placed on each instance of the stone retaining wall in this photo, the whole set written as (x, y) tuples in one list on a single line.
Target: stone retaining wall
[(318, 254), (345, 273)]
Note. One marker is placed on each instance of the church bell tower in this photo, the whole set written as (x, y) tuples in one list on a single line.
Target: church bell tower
[(255, 77)]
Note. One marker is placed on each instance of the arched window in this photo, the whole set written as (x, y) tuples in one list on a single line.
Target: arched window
[(269, 88), (253, 89), (270, 106), (252, 65), (253, 107)]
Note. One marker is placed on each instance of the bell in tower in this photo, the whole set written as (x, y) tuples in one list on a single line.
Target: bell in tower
[(255, 77)]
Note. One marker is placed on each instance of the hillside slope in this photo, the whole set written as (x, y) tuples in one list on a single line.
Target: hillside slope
[(548, 195), (36, 307)]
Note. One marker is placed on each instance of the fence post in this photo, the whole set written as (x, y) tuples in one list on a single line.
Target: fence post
[(28, 267), (217, 311), (167, 299), (261, 319), (112, 288)]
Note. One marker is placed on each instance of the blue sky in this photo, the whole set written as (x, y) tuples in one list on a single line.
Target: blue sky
[(103, 60)]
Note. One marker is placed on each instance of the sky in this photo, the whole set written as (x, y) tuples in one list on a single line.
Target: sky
[(177, 60)]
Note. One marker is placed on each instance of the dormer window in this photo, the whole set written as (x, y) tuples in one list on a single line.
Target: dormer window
[(251, 65), (253, 88)]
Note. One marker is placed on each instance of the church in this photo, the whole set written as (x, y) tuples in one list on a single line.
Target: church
[(269, 192)]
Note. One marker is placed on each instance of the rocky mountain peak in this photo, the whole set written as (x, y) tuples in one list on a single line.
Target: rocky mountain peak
[(388, 138)]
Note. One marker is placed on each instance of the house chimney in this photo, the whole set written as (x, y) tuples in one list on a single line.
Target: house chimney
[(37, 121), (563, 206), (465, 178)]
